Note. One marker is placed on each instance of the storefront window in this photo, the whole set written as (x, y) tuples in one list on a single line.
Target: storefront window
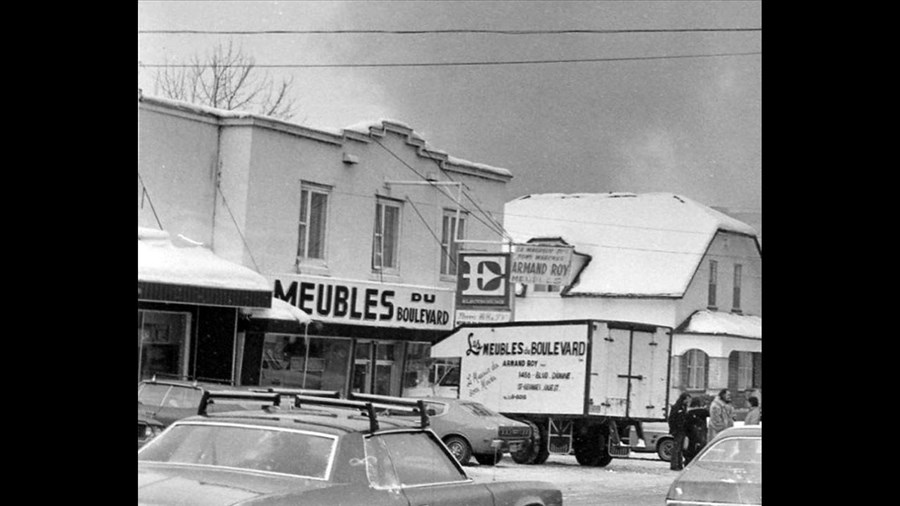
[(376, 367), (304, 362), (162, 338), (424, 376)]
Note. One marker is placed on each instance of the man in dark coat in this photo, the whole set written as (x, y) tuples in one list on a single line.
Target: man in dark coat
[(677, 419), (695, 427)]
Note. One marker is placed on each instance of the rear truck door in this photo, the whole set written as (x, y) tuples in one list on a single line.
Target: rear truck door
[(610, 350), (629, 369), (649, 366)]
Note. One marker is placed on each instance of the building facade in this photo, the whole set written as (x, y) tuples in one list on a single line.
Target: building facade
[(659, 259), (359, 228)]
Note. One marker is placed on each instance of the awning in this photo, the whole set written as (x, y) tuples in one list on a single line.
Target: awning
[(280, 310), (718, 333), (189, 273)]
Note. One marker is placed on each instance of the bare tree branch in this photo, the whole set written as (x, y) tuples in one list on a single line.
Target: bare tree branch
[(228, 79)]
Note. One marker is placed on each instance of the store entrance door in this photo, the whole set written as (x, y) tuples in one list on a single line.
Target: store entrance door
[(376, 367)]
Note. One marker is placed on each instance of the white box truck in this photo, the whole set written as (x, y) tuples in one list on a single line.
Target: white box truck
[(585, 386)]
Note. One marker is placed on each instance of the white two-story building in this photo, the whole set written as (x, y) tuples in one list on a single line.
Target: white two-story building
[(659, 259), (357, 227)]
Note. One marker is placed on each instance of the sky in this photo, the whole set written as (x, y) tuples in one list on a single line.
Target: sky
[(691, 126)]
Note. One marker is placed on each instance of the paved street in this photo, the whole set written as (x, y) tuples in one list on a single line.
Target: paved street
[(639, 481)]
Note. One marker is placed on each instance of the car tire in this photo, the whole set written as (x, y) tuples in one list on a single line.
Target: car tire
[(664, 449), (489, 459), (460, 449)]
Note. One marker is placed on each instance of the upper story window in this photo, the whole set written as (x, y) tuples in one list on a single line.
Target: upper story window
[(313, 219), (713, 280), (736, 299), (386, 238), (449, 243)]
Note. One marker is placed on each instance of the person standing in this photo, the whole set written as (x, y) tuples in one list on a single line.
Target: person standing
[(677, 418), (754, 416), (721, 413), (695, 428)]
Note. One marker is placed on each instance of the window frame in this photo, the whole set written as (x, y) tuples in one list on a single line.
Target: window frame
[(692, 369), (448, 264), (713, 284), (303, 227), (381, 204), (736, 292)]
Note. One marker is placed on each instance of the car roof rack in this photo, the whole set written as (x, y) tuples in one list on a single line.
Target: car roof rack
[(180, 377), (299, 391), (369, 407), (392, 403), (210, 395)]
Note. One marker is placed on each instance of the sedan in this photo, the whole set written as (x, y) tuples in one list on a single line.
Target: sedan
[(469, 429), (318, 451), (727, 471)]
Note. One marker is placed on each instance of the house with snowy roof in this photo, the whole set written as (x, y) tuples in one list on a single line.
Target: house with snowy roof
[(660, 259), (357, 227)]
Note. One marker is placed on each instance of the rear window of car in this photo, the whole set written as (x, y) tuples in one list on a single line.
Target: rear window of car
[(408, 459), (735, 450), (268, 449), (151, 394), (477, 409)]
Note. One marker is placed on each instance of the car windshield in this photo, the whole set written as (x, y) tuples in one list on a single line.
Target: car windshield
[(477, 409), (254, 448), (734, 450), (172, 396)]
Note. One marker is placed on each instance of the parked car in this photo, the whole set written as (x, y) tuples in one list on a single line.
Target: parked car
[(168, 400), (656, 439), (321, 451), (148, 428), (469, 429), (728, 470)]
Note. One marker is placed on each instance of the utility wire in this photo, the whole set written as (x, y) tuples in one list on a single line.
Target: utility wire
[(144, 192), (238, 228), (447, 31), (459, 64), (436, 238)]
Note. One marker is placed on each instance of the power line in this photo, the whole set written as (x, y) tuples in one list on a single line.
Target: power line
[(458, 64), (146, 193), (450, 31)]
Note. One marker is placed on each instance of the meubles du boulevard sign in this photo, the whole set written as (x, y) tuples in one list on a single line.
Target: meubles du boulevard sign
[(360, 303)]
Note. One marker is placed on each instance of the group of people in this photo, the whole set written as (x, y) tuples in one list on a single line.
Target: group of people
[(688, 423)]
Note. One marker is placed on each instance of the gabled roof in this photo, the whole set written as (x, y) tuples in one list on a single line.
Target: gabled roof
[(641, 245)]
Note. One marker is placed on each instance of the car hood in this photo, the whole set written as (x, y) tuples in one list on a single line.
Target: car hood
[(160, 484), (719, 482)]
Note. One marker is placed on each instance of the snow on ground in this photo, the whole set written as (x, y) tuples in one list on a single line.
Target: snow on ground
[(641, 479)]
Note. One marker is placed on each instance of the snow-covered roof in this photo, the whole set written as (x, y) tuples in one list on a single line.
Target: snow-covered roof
[(182, 262), (281, 310), (646, 245), (721, 323)]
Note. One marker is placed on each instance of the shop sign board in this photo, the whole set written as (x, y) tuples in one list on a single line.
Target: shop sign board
[(483, 282), (541, 264), (356, 302), (521, 369), (463, 317)]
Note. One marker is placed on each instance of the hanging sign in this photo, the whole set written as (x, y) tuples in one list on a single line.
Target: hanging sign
[(541, 264)]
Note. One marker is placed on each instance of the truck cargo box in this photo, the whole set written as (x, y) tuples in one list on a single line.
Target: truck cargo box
[(564, 368)]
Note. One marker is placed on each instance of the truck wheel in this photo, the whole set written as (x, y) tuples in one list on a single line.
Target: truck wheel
[(529, 451), (664, 449), (460, 449), (489, 459), (591, 450), (543, 449)]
